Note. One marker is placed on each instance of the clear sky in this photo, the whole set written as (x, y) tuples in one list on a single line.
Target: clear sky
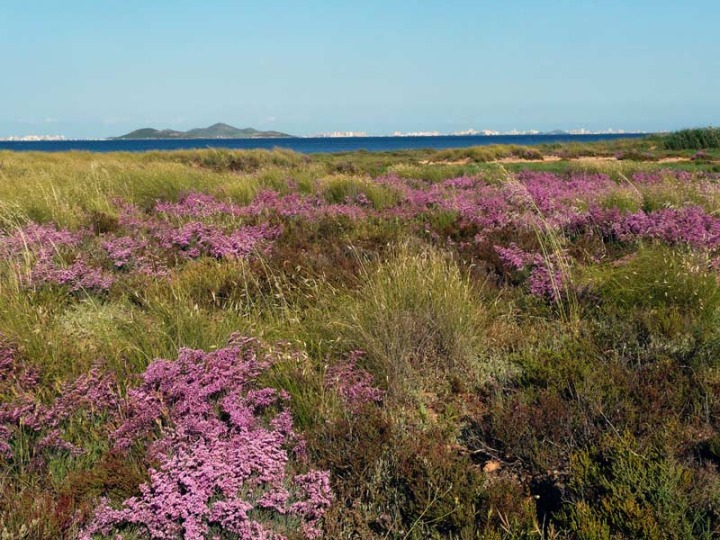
[(96, 68)]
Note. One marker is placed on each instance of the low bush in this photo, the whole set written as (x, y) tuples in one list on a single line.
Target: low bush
[(693, 139), (620, 490), (417, 317)]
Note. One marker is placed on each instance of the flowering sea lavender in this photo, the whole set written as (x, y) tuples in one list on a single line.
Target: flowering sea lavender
[(222, 449), (196, 205), (43, 243), (135, 253), (195, 239), (77, 276), (123, 251), (689, 225), (36, 238), (269, 202), (545, 279), (514, 257), (153, 240), (353, 385), (89, 395)]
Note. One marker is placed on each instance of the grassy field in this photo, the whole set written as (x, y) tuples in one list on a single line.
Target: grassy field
[(494, 342)]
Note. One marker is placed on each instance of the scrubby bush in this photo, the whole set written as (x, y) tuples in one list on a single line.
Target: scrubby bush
[(669, 297), (661, 277), (416, 313), (530, 154), (693, 139), (245, 161), (620, 490)]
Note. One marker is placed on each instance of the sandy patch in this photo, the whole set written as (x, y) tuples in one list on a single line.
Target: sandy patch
[(511, 159), (550, 159), (463, 161)]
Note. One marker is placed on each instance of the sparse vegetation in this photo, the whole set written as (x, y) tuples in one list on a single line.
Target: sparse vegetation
[(414, 345)]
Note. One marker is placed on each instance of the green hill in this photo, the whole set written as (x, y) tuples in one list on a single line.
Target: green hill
[(216, 131)]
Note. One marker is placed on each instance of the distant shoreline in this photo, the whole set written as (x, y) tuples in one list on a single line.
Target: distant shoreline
[(408, 136), (307, 145)]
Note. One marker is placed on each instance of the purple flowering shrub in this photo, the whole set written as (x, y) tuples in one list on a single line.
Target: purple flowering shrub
[(225, 457), (130, 252), (196, 205), (692, 226), (77, 276), (475, 213), (542, 201), (222, 453), (151, 242), (354, 385), (146, 244), (25, 417), (36, 238), (545, 279), (54, 257), (269, 203), (195, 239)]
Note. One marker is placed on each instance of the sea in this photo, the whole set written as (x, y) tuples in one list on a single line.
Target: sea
[(305, 145)]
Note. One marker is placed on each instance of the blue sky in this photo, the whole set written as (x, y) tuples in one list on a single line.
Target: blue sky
[(95, 68)]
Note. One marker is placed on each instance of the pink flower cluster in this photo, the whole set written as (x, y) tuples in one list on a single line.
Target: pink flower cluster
[(353, 385), (77, 276), (529, 201), (196, 239), (91, 395), (293, 205), (690, 225), (196, 205), (545, 279), (487, 211), (44, 246), (223, 449), (151, 241), (225, 456), (36, 239), (266, 203), (541, 201)]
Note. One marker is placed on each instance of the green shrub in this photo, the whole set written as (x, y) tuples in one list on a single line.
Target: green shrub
[(693, 139), (659, 302), (524, 152), (340, 189), (661, 278), (433, 172), (416, 312), (244, 161), (620, 492), (398, 484)]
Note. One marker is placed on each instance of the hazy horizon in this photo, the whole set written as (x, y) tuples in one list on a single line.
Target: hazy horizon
[(84, 69)]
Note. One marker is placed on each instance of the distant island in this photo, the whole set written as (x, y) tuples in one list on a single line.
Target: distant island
[(216, 131)]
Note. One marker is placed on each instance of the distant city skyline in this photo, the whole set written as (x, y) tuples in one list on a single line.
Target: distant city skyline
[(351, 134), (87, 69)]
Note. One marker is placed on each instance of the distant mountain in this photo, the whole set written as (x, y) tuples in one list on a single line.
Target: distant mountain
[(216, 131)]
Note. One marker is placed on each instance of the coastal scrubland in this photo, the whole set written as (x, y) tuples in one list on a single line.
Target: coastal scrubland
[(494, 342)]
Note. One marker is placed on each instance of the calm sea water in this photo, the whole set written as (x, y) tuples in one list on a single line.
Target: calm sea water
[(304, 145)]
